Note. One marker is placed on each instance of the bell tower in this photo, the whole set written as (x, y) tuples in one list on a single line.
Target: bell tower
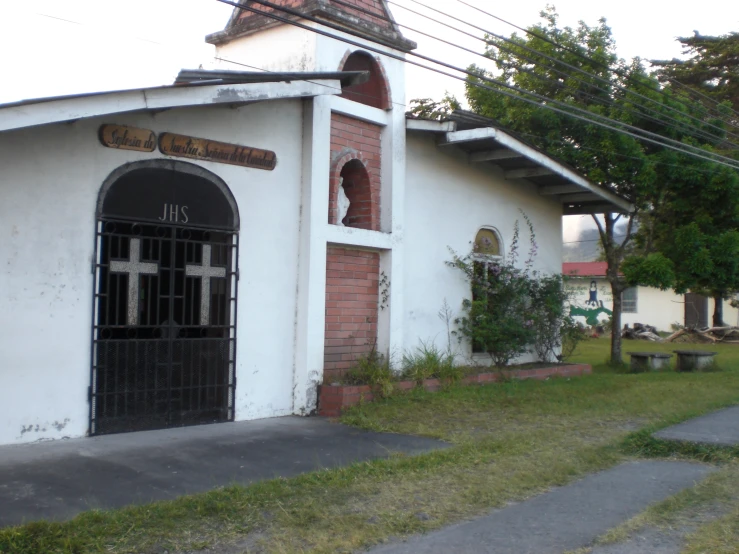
[(350, 302), (370, 19), (253, 38)]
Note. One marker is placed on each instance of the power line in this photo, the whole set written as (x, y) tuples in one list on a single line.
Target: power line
[(555, 60), (563, 47), (604, 101), (85, 24), (681, 126), (545, 101), (617, 154), (581, 241), (144, 39), (406, 106), (702, 95), (371, 96)]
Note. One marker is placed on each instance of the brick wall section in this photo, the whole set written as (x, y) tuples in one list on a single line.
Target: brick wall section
[(352, 139), (292, 4), (332, 400), (372, 6), (352, 297)]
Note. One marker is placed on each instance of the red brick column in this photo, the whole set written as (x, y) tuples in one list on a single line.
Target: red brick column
[(352, 303)]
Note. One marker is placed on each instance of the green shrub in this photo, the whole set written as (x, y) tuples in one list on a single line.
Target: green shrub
[(496, 319), (514, 309), (548, 314), (572, 334)]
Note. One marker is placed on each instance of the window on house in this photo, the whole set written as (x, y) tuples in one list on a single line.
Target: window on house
[(628, 301), (488, 253), (487, 243)]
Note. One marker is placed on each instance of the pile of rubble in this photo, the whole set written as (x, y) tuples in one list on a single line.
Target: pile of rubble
[(710, 335), (640, 331)]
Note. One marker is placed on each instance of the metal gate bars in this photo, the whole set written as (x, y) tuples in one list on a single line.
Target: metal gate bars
[(164, 327)]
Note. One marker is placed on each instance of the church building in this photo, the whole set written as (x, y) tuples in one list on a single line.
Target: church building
[(214, 250)]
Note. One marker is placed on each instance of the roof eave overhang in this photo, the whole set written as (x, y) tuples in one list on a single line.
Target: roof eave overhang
[(522, 161), (71, 108)]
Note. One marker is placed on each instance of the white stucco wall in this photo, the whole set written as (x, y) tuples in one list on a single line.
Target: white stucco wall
[(659, 308), (281, 48), (49, 187), (447, 201)]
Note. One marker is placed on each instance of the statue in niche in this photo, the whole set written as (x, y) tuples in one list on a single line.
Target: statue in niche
[(342, 203)]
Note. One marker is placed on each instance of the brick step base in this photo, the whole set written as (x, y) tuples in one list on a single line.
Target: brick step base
[(333, 399)]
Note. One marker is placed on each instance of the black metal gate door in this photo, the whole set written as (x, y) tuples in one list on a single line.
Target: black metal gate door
[(164, 327)]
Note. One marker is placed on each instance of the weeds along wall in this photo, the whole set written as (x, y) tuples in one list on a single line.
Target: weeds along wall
[(440, 215)]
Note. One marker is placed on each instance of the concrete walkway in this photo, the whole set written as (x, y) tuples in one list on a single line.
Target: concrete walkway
[(57, 480), (574, 516), (719, 428), (564, 519)]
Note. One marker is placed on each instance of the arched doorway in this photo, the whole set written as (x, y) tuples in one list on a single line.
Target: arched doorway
[(164, 306)]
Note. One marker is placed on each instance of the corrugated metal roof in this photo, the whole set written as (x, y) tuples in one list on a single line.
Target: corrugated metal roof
[(585, 269), (488, 142)]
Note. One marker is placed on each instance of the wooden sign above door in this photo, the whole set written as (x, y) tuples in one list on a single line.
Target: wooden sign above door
[(212, 151), (123, 137), (127, 138)]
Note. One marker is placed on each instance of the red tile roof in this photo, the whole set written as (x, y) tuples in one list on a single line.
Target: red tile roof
[(585, 269)]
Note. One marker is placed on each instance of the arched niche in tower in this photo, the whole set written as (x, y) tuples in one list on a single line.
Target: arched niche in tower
[(375, 91), (355, 183)]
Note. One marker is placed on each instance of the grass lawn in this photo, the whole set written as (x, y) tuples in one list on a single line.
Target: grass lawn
[(596, 352), (511, 440)]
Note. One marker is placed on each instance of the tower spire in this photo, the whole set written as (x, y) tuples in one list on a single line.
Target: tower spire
[(371, 19)]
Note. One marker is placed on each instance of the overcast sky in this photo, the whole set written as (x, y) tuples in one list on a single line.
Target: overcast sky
[(53, 47), (56, 47)]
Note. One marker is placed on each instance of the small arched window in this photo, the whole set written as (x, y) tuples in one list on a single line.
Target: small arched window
[(487, 256), (374, 92), (487, 243), (355, 182)]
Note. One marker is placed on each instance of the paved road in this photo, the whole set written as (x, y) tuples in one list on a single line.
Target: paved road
[(60, 479)]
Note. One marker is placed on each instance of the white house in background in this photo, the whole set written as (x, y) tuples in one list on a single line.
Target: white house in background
[(213, 250), (593, 302)]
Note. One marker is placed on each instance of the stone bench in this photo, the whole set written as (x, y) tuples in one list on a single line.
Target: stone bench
[(649, 361), (691, 360)]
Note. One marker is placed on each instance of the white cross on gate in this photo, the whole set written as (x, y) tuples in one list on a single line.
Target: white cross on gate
[(134, 267), (205, 272)]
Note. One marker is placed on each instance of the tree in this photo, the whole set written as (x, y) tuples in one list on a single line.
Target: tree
[(579, 67), (689, 240), (427, 108), (712, 69), (614, 161)]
